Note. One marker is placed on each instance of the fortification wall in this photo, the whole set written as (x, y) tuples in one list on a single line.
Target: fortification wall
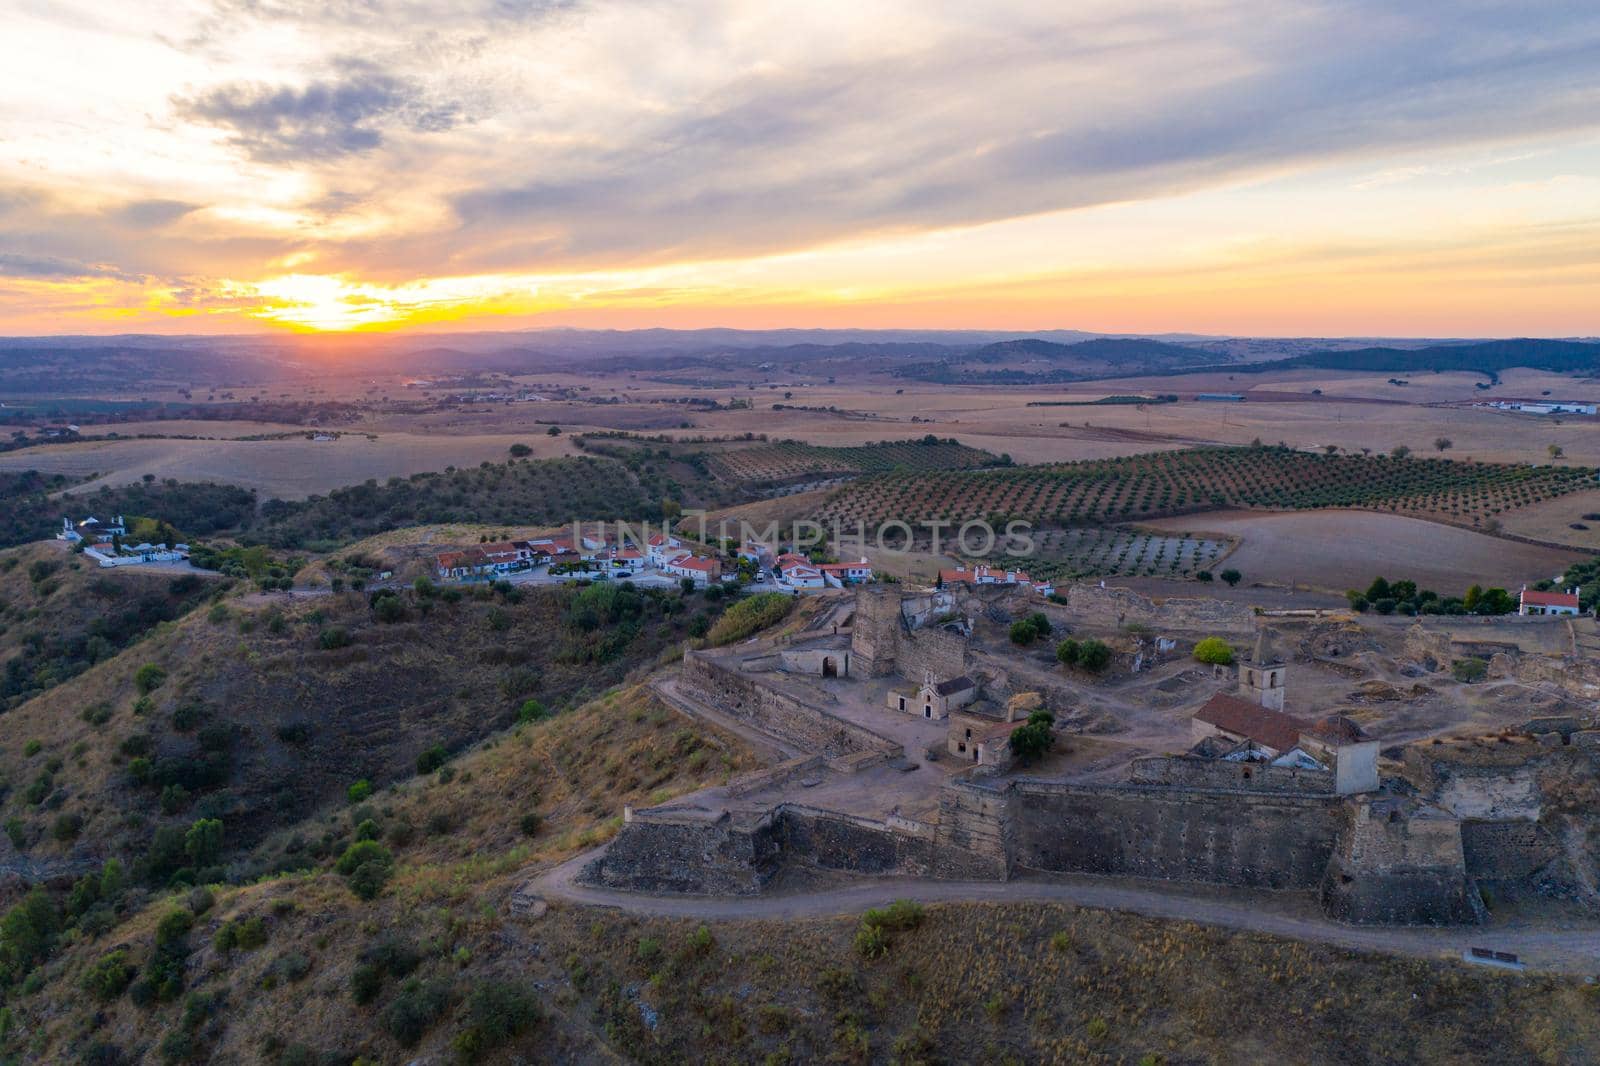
[(1579, 677), (875, 631), (1506, 851), (1219, 837), (1397, 868), (1185, 772), (836, 841), (662, 854), (970, 841), (777, 713), (925, 651), (1096, 606)]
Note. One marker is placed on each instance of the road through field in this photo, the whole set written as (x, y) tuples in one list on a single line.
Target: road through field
[(1562, 949)]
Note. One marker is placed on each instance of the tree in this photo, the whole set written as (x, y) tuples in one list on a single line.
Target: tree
[(148, 678), (1399, 451), (520, 451), (1469, 602), (203, 842), (1379, 589), (1067, 652), (1022, 632), (1031, 741), (1231, 576), (1213, 650), (1555, 451), (1041, 624), (1204, 575), (1094, 656), (1443, 444), (553, 431)]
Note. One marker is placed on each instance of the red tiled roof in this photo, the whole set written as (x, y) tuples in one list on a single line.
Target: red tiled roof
[(694, 562), (1337, 729), (1549, 599), (470, 557), (1231, 714)]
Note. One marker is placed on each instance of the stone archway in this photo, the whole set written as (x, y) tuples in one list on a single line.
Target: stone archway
[(829, 667)]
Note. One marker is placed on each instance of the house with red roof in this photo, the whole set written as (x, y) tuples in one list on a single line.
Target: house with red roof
[(1531, 603), (839, 575), (797, 571), (461, 565), (696, 568), (983, 574)]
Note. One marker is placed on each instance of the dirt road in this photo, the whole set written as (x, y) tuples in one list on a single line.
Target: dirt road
[(1552, 948)]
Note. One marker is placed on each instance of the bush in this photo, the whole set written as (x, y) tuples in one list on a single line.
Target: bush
[(203, 842), (334, 637), (367, 867), (148, 678), (520, 451), (1232, 577), (531, 824), (173, 927), (496, 1012), (245, 934), (1094, 656), (1023, 633), (1214, 650), (414, 1009), (358, 791), (531, 711), (1469, 671), (366, 981), (110, 976), (872, 942), (1030, 742), (431, 759), (750, 616), (67, 826)]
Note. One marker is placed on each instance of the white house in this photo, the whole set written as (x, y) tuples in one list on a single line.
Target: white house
[(840, 574), (797, 571), (661, 547), (1548, 602), (699, 570), (106, 555), (91, 530), (983, 574)]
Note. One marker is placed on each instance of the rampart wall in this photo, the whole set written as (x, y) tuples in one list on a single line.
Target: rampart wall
[(1507, 851), (925, 651), (1395, 868), (774, 712), (1098, 606), (1219, 837), (1188, 772), (657, 852)]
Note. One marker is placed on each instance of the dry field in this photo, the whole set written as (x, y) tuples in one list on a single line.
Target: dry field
[(286, 469), (1338, 550)]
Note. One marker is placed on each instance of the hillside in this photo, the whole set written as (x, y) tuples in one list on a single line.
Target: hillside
[(1014, 361), (261, 716), (440, 965), (30, 511), (60, 614), (1485, 357)]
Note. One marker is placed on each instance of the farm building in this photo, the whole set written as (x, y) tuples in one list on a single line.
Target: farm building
[(91, 530), (1535, 603), (981, 740)]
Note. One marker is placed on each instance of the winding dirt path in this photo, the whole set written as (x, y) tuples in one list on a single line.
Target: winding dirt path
[(1542, 947)]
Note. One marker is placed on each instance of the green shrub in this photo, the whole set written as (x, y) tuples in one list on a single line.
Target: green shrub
[(530, 824), (203, 842), (431, 759), (750, 616), (32, 748), (358, 791), (243, 934), (367, 867), (1067, 652), (110, 976), (148, 678), (531, 711), (67, 826), (872, 941), (173, 927), (1213, 650), (1094, 656), (1469, 670), (414, 1009), (334, 637), (496, 1012), (366, 981)]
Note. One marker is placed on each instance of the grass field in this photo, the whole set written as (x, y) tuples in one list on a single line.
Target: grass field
[(1107, 551)]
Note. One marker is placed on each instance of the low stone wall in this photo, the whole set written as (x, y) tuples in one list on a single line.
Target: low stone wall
[(1189, 772), (773, 776), (774, 712), (1219, 837), (970, 840)]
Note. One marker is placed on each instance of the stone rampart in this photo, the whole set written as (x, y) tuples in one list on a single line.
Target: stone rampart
[(1215, 836), (1397, 865), (1182, 771), (777, 713), (661, 852), (931, 651), (1507, 851), (835, 841), (1094, 606)]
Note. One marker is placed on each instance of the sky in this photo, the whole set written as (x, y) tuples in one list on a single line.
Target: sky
[(1249, 167)]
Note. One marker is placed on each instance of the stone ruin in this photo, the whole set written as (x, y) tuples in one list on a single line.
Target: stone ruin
[(1399, 855)]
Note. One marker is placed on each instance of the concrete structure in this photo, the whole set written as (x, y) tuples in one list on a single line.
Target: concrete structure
[(91, 530)]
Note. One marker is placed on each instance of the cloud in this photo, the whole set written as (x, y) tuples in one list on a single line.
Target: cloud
[(18, 265), (320, 120), (152, 214)]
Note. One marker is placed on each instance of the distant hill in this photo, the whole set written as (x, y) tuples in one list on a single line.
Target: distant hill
[(1486, 357), (1112, 350), (1080, 361)]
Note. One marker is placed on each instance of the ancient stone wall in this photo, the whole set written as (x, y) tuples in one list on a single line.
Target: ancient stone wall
[(1399, 867), (836, 841), (1188, 772), (875, 631), (1506, 851), (655, 853), (777, 713), (1093, 606), (1579, 677), (925, 651), (1219, 837), (970, 841)]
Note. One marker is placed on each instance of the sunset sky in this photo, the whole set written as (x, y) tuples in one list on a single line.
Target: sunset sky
[(1219, 166)]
